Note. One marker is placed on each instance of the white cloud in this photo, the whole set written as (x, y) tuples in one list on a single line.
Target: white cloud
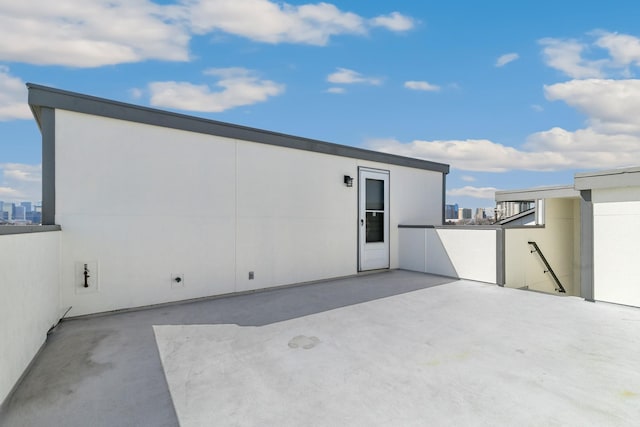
[(20, 182), (337, 90), (346, 76), (475, 192), (474, 154), (566, 56), (467, 178), (552, 150), (537, 108), (13, 97), (239, 87), (270, 22), (83, 33), (421, 85), (586, 148), (612, 106), (136, 93), (613, 55), (22, 173), (623, 48), (274, 22), (395, 21), (506, 58), (8, 194)]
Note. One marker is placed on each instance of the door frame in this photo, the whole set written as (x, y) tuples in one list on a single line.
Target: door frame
[(361, 220)]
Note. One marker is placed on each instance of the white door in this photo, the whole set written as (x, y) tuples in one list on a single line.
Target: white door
[(373, 235)]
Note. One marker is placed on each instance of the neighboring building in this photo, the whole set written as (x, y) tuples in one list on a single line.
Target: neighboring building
[(490, 213), (451, 211), (510, 208), (19, 213), (465, 213), (7, 211), (263, 209), (34, 217)]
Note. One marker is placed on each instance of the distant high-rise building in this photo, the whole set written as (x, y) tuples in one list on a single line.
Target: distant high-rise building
[(7, 211), (19, 213), (465, 213), (34, 217), (451, 211), (27, 206)]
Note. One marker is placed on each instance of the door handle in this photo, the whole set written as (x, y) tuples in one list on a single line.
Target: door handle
[(361, 221)]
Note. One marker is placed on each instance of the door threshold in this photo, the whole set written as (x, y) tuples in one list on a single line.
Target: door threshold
[(376, 271)]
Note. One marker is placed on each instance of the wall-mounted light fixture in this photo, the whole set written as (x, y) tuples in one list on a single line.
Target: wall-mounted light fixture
[(348, 181)]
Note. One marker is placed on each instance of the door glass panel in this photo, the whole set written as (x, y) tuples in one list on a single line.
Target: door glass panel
[(375, 227), (375, 195)]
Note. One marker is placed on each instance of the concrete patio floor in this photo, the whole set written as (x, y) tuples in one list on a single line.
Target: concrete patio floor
[(382, 349)]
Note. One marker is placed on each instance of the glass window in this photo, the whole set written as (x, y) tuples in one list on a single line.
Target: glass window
[(375, 195), (375, 227)]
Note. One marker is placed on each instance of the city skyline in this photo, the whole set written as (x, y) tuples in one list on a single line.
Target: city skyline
[(510, 95), (22, 213)]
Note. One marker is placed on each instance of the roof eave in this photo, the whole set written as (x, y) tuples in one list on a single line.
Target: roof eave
[(556, 192), (43, 96)]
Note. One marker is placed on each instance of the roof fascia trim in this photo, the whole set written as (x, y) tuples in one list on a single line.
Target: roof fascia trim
[(629, 177), (563, 192), (43, 96)]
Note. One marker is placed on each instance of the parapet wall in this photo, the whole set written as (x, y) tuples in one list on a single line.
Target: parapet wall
[(30, 289)]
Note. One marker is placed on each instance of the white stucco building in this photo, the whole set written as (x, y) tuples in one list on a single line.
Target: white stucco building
[(257, 209)]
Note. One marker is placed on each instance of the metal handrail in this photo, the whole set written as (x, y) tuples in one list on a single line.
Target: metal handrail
[(559, 288)]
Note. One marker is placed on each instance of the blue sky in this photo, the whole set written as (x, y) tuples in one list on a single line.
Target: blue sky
[(510, 94)]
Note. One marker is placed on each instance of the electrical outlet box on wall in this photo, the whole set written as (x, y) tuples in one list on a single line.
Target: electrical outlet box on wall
[(86, 278), (177, 280)]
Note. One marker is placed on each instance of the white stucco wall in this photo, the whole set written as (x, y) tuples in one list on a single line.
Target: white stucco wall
[(456, 252), (559, 243), (295, 218), (144, 202), (413, 249), (472, 253), (616, 241), (29, 306)]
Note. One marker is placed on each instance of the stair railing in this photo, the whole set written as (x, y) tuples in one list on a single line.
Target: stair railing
[(536, 248)]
